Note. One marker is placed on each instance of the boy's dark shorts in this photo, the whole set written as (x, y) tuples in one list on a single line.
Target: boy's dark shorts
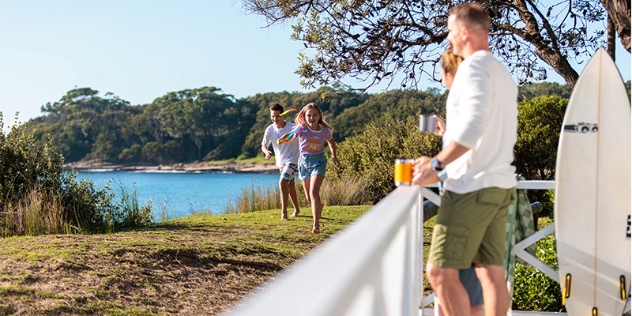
[(471, 228), (472, 286)]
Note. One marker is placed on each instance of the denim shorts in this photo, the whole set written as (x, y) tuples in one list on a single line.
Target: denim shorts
[(288, 171), (311, 165)]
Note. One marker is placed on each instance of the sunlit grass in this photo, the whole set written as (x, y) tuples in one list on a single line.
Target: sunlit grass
[(91, 270)]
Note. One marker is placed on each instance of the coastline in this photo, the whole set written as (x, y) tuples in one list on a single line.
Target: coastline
[(186, 167)]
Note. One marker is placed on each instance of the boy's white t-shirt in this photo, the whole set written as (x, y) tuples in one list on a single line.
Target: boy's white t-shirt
[(284, 153), (482, 113)]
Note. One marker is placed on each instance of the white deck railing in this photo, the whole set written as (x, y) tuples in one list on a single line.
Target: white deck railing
[(373, 267)]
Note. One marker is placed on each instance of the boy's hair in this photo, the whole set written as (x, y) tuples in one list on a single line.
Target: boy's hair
[(277, 107), (471, 14), (450, 62), (300, 118)]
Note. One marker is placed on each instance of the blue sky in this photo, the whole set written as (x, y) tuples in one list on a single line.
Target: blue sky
[(143, 49)]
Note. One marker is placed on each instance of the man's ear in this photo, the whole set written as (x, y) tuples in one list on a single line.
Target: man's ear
[(466, 32)]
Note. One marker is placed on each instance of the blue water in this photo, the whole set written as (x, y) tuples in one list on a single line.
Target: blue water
[(178, 194)]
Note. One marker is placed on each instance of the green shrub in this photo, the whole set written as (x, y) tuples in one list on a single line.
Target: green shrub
[(533, 290), (369, 157), (539, 126), (37, 197)]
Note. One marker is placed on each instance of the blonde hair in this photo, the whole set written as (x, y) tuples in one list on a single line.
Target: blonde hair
[(300, 118), (450, 62)]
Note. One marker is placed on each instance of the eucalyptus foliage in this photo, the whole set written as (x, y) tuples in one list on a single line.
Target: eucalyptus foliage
[(400, 41)]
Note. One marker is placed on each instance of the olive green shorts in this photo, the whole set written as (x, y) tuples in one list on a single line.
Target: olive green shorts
[(471, 228)]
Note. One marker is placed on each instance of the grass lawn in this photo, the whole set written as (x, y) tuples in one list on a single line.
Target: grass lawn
[(197, 265)]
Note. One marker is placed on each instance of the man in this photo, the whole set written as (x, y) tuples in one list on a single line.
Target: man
[(475, 165), (286, 157)]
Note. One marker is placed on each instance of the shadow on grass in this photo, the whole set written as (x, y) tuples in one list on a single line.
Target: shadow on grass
[(196, 259)]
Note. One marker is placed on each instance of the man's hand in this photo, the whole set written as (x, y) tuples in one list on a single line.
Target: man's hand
[(439, 127), (423, 173)]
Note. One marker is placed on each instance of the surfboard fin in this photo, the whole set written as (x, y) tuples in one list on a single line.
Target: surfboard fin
[(624, 295), (567, 289)]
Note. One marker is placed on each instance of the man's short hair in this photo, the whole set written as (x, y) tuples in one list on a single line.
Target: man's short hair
[(472, 14), (277, 107)]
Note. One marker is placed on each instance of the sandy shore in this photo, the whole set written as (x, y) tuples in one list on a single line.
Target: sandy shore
[(197, 166)]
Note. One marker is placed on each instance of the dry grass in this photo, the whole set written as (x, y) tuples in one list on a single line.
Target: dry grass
[(38, 214), (343, 192)]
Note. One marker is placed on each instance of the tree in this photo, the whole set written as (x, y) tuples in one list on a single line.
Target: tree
[(378, 40), (539, 125), (619, 14), (203, 115), (81, 118), (399, 104)]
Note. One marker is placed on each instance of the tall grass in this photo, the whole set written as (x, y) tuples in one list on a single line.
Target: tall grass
[(337, 192), (346, 191), (42, 212), (131, 214), (39, 213), (255, 198)]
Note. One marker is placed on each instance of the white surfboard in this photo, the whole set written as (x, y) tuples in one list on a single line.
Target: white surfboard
[(592, 193)]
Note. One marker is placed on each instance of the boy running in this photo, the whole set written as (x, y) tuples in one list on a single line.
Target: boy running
[(286, 157)]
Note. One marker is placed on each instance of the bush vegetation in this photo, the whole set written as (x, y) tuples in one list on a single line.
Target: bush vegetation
[(369, 157), (539, 126), (37, 197), (533, 290)]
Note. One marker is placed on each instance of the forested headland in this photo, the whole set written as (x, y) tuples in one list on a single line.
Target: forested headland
[(204, 124)]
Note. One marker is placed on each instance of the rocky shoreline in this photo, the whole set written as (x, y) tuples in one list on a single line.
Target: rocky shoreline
[(187, 167)]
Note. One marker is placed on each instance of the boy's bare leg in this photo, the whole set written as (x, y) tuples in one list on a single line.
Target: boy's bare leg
[(283, 187), (478, 310)]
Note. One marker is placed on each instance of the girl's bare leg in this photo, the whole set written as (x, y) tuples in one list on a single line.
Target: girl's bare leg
[(306, 186), (294, 198), (317, 205)]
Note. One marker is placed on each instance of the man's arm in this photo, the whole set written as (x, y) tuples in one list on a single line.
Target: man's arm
[(424, 174)]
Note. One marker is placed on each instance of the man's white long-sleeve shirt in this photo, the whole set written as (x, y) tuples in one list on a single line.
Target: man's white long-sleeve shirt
[(482, 115)]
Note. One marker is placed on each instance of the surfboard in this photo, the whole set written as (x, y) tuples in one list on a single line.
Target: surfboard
[(592, 193)]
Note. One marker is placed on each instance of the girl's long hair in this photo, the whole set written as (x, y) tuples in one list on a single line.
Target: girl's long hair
[(300, 118), (450, 62)]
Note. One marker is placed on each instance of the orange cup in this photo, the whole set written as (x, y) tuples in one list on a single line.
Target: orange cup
[(403, 174)]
